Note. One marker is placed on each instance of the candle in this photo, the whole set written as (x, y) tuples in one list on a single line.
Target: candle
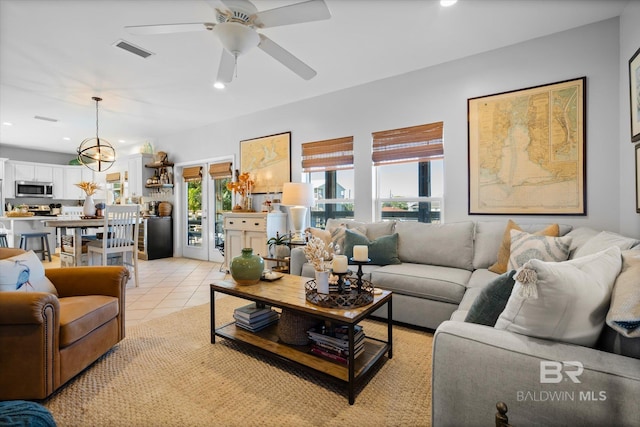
[(339, 264), (361, 253)]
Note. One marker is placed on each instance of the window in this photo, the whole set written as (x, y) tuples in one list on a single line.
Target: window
[(328, 165), (221, 174), (193, 186), (409, 173)]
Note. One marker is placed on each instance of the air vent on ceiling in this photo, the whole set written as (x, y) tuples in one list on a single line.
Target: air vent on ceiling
[(133, 49), (47, 119)]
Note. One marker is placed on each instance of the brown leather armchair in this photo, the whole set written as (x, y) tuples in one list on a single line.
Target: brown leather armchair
[(47, 340)]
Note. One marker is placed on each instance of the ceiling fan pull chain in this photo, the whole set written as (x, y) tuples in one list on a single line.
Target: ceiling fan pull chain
[(235, 64)]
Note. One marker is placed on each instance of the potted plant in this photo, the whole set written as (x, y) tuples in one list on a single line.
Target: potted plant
[(278, 247)]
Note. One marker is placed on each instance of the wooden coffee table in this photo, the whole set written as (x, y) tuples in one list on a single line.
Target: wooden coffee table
[(288, 293)]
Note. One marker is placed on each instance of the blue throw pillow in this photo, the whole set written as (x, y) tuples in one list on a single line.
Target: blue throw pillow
[(492, 300), (382, 251)]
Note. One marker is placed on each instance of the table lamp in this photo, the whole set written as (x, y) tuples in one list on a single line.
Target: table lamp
[(298, 196)]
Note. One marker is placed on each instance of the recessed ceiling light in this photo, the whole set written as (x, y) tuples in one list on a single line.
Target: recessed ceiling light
[(7, 124), (121, 141), (447, 3), (218, 85), (66, 138)]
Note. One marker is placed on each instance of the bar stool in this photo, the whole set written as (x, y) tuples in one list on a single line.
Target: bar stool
[(44, 239)]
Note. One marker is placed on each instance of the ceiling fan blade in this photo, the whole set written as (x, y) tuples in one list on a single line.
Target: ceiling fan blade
[(226, 68), (144, 30), (286, 58), (307, 11)]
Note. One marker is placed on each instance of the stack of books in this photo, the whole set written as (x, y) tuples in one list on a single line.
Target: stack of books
[(333, 343), (255, 317)]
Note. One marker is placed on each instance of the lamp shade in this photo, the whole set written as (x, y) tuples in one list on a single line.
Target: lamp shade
[(297, 194)]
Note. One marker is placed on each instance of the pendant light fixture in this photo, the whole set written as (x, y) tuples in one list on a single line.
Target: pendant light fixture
[(95, 153)]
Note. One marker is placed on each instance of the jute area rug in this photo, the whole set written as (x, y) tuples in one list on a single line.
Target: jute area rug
[(167, 373)]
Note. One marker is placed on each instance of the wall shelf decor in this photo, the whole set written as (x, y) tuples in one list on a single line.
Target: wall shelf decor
[(526, 151)]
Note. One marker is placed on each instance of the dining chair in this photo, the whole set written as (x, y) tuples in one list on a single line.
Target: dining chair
[(120, 236)]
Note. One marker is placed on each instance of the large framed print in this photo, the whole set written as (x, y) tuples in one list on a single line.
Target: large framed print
[(268, 160), (526, 151), (634, 95)]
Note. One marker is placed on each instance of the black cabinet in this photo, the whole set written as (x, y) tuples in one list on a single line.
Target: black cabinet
[(156, 238)]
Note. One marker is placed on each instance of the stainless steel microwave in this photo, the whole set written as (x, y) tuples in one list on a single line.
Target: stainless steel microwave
[(34, 189)]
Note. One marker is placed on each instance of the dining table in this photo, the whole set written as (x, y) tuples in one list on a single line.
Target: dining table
[(76, 225)]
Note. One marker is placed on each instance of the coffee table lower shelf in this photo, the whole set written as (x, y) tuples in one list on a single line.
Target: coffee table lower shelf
[(267, 339)]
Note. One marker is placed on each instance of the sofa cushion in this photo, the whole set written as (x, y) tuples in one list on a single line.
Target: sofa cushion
[(434, 282), (604, 240), (379, 229), (580, 236), (24, 273), (338, 235), (564, 301), (492, 300), (504, 252), (525, 246), (448, 245), (325, 236), (382, 251), (81, 315), (624, 312)]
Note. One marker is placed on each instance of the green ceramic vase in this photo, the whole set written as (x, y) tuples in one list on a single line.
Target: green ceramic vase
[(247, 268)]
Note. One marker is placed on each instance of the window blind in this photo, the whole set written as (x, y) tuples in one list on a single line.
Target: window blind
[(330, 154), (412, 144), (220, 170), (113, 177), (192, 173)]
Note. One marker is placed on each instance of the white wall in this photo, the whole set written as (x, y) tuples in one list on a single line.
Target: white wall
[(441, 93), (629, 43)]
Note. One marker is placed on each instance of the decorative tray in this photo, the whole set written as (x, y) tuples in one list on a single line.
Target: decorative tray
[(17, 214), (272, 277), (351, 298)]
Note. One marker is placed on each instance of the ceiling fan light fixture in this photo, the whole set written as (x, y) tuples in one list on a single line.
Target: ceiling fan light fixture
[(236, 38), (95, 153)]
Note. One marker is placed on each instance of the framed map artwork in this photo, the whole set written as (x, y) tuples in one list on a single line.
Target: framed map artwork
[(268, 160), (527, 151), (634, 95)]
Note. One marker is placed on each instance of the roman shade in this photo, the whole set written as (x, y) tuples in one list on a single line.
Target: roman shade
[(326, 155), (411, 144), (113, 177), (220, 170), (192, 173)]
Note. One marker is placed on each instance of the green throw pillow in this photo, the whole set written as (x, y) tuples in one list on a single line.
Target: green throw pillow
[(492, 300), (382, 251)]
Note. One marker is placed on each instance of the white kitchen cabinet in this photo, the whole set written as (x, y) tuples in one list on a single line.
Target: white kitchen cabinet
[(9, 180), (43, 173), (24, 171), (250, 230), (58, 182), (138, 174), (72, 176)]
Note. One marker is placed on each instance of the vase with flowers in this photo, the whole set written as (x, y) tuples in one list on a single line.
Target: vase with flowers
[(242, 190), (89, 188), (316, 253)]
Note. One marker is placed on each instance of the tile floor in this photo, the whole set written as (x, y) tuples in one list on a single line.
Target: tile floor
[(166, 285)]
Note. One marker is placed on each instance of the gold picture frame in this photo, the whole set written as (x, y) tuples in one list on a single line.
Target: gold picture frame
[(268, 161), (526, 151), (634, 95), (638, 178)]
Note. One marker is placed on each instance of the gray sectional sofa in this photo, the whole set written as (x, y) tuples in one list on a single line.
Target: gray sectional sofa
[(443, 269)]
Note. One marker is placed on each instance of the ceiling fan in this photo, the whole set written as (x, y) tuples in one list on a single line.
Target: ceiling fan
[(236, 28)]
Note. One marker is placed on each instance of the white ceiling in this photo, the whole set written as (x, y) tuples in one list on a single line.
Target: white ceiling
[(57, 54)]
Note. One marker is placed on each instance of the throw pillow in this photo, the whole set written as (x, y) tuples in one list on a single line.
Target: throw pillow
[(382, 251), (604, 240), (338, 235), (525, 246), (624, 312), (24, 273), (563, 301), (492, 300), (504, 251)]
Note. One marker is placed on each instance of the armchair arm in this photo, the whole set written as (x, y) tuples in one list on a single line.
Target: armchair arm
[(27, 308), (297, 260), (475, 366), (99, 280)]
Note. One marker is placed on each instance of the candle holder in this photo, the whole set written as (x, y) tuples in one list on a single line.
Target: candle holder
[(342, 288), (360, 273)]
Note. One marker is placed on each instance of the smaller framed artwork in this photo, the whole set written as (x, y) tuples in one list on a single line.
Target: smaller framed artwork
[(268, 160), (634, 93), (638, 178)]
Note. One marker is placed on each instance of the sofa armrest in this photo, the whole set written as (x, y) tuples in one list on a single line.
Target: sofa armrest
[(27, 308), (297, 260), (476, 366), (98, 280)]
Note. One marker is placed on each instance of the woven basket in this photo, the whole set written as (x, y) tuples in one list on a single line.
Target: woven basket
[(293, 327)]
